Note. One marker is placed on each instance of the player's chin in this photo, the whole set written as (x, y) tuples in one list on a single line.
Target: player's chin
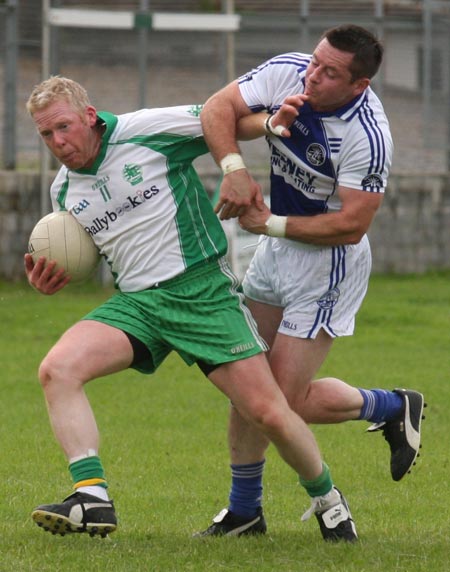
[(71, 162)]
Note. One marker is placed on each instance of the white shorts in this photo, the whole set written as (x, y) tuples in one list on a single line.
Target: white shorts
[(317, 287)]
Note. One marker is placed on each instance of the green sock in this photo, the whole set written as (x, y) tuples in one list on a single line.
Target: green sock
[(88, 472), (319, 486)]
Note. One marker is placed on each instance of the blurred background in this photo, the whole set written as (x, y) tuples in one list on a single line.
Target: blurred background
[(148, 53)]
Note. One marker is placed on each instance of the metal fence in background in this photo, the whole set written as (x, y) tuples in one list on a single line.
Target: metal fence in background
[(128, 68), (8, 75)]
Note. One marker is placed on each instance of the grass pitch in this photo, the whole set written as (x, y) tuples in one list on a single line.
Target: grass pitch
[(165, 453)]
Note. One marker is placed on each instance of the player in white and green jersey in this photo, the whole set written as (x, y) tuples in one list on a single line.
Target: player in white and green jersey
[(144, 174), (129, 181)]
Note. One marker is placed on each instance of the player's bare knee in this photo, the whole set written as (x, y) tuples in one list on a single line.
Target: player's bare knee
[(55, 372), (269, 419), (298, 398), (47, 372)]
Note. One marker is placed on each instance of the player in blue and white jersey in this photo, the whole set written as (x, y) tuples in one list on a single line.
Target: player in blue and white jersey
[(129, 180), (311, 268)]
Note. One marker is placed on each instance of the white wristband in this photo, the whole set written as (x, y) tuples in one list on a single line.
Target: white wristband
[(278, 130), (232, 162), (276, 226)]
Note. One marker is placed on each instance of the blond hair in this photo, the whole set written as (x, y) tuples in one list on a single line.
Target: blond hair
[(58, 88)]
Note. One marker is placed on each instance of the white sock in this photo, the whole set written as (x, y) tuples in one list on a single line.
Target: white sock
[(89, 453), (95, 491)]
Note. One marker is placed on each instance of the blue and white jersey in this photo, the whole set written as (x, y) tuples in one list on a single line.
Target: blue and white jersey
[(350, 147)]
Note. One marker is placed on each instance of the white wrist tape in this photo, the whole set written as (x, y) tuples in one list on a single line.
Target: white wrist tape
[(278, 130), (232, 162), (276, 226)]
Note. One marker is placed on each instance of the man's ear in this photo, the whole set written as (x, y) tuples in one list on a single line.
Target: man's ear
[(360, 85), (91, 114)]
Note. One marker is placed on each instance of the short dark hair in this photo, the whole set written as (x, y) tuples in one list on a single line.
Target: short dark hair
[(366, 48)]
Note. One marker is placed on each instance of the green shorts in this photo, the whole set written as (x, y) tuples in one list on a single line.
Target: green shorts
[(200, 314)]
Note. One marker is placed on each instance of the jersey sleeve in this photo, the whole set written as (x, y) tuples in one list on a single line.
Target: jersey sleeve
[(174, 130), (266, 87), (58, 189), (183, 120), (367, 156)]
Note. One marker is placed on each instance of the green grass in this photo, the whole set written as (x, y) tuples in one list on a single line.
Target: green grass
[(165, 453)]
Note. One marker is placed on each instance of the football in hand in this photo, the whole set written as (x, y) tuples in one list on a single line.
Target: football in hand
[(59, 236)]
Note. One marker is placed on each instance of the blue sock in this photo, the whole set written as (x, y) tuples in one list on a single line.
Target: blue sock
[(380, 405), (246, 489)]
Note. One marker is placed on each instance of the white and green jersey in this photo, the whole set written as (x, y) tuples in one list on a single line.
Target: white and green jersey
[(142, 201)]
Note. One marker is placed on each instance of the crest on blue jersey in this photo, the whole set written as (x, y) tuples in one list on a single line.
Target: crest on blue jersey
[(329, 299), (315, 154), (373, 181)]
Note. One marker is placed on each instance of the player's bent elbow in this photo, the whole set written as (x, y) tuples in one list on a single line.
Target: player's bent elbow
[(355, 234), (355, 238)]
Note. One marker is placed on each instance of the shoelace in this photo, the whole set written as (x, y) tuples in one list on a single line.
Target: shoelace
[(377, 426), (318, 503)]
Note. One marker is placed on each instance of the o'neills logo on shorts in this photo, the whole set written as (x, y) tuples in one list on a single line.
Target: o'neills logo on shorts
[(242, 348)]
